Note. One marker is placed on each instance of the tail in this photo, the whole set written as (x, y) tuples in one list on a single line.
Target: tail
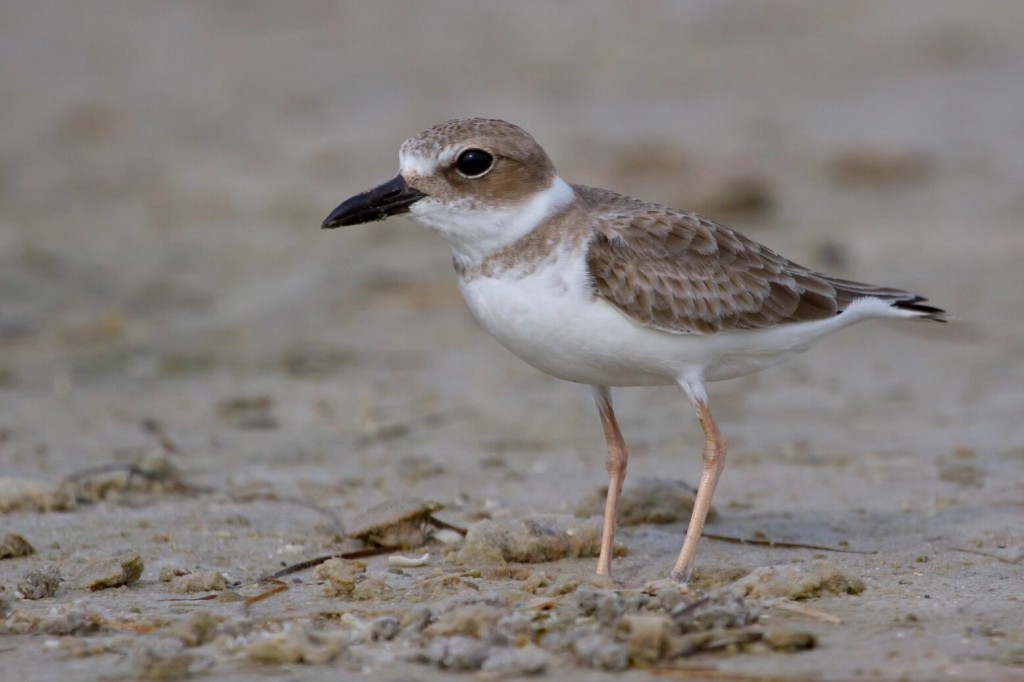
[(915, 306)]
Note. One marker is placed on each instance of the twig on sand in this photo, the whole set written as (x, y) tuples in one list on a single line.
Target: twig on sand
[(310, 563), (1016, 560), (767, 542), (279, 586)]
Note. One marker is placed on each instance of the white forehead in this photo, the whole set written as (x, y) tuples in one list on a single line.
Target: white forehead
[(415, 158)]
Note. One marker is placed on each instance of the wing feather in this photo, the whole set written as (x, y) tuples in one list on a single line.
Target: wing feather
[(680, 272)]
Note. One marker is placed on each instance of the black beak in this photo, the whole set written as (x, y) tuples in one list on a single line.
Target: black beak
[(391, 198)]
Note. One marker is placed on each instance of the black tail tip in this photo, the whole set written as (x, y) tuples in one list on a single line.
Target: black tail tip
[(918, 305)]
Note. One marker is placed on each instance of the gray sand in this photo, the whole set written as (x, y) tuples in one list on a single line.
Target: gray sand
[(168, 301)]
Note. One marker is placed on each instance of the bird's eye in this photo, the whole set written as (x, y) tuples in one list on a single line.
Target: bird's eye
[(473, 163)]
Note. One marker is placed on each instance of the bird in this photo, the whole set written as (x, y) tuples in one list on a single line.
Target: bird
[(605, 290)]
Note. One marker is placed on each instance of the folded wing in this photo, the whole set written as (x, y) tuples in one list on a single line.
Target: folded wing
[(680, 272)]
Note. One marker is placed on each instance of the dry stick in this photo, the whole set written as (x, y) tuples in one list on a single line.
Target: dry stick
[(207, 597), (989, 556), (310, 563), (279, 586), (765, 542), (698, 674)]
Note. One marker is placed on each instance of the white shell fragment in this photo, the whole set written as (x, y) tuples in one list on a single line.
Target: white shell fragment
[(408, 561)]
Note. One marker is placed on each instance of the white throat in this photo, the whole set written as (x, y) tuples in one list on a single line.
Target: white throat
[(475, 230)]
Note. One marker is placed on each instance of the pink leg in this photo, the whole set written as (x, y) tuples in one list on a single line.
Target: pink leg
[(714, 463), (616, 465)]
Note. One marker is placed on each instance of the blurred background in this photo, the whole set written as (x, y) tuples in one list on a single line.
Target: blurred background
[(164, 168), (168, 300)]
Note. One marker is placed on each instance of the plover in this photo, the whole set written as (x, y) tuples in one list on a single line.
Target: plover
[(601, 289)]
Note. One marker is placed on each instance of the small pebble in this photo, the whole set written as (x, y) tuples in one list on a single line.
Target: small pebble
[(106, 572), (40, 583), (13, 545), (339, 576), (200, 581)]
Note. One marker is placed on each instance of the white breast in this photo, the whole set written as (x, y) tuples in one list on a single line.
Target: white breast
[(551, 319)]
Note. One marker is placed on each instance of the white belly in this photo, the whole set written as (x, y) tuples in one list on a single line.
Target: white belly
[(561, 330), (552, 320)]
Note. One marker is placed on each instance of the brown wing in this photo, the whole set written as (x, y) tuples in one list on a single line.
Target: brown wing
[(680, 272)]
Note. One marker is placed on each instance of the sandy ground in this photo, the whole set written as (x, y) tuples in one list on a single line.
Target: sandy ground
[(166, 296)]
